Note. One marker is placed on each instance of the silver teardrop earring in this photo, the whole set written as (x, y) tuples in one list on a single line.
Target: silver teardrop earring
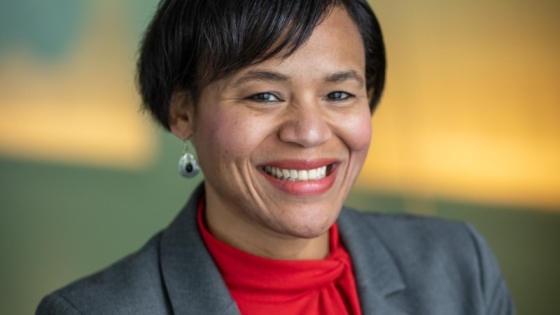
[(188, 166)]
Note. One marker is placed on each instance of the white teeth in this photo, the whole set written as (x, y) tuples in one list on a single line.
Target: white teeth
[(312, 174), (299, 175), (293, 174)]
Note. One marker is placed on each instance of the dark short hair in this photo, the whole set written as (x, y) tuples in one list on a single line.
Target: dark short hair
[(191, 43)]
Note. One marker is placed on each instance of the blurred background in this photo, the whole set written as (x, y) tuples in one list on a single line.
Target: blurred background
[(468, 129)]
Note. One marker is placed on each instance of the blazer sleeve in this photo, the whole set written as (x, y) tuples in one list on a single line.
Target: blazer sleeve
[(495, 293), (54, 304)]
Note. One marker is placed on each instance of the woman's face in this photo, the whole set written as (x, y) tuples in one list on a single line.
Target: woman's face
[(305, 117)]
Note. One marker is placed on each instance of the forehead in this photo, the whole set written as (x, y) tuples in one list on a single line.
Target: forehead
[(335, 46)]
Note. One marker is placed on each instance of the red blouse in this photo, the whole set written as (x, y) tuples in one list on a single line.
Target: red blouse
[(266, 286)]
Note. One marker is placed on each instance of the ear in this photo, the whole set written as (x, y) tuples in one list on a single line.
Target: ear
[(181, 115)]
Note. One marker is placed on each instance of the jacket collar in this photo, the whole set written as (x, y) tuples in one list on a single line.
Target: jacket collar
[(377, 277), (195, 286), (192, 279)]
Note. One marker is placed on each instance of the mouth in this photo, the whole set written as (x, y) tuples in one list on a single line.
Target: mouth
[(299, 175)]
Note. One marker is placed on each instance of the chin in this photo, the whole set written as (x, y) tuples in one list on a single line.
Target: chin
[(309, 224)]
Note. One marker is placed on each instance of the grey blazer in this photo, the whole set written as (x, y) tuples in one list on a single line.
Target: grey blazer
[(403, 265)]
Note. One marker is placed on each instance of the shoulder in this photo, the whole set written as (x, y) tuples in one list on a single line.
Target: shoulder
[(413, 234), (454, 238), (435, 256), (119, 289), (434, 243)]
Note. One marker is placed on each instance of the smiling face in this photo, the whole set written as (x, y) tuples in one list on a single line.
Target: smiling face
[(282, 142)]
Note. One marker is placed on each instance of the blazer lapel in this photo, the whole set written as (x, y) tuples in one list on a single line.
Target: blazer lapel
[(378, 279), (193, 282)]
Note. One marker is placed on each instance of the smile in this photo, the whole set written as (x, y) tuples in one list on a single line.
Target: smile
[(302, 177), (297, 175)]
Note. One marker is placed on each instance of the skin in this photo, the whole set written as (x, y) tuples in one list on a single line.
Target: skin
[(276, 110)]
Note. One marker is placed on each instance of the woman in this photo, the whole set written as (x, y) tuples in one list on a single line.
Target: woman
[(276, 97)]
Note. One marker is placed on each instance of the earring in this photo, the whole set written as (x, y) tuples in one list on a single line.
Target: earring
[(188, 166)]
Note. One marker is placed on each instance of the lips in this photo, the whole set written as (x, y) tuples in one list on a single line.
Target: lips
[(301, 177), (296, 175)]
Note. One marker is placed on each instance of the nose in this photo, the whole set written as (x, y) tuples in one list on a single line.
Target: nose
[(306, 126)]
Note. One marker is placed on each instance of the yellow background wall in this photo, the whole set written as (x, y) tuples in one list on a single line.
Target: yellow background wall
[(472, 108)]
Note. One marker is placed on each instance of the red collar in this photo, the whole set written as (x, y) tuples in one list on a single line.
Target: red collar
[(255, 281)]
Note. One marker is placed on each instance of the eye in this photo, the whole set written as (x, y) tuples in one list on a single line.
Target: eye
[(264, 97), (339, 96)]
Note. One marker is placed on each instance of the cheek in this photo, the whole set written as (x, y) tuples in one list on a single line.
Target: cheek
[(215, 136), (357, 133), (226, 136)]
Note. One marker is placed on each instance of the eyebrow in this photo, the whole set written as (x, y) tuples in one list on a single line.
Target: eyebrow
[(343, 76), (260, 76)]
